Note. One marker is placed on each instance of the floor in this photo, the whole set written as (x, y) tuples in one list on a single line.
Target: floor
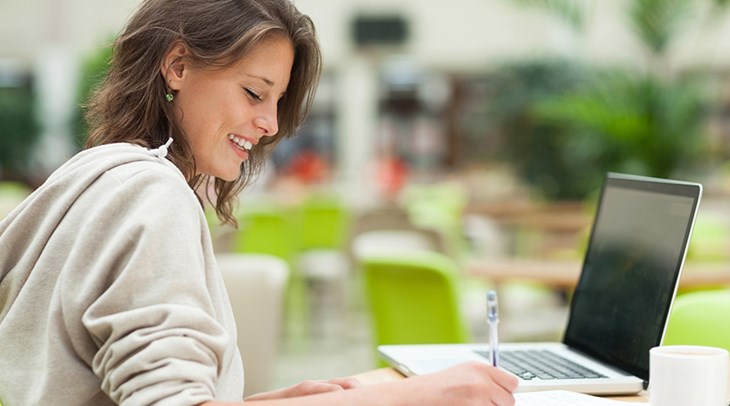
[(337, 342)]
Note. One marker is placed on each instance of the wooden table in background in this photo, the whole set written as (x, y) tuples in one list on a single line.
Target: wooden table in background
[(564, 274)]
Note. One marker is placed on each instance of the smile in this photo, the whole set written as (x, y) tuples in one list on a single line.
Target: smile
[(245, 145)]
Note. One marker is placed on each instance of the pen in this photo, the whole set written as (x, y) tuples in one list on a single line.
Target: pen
[(492, 321)]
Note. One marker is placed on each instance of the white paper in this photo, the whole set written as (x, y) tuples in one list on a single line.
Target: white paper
[(562, 398)]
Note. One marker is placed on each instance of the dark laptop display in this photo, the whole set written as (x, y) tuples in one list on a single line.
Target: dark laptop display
[(634, 257), (620, 305)]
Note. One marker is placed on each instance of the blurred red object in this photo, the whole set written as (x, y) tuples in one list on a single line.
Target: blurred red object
[(308, 167)]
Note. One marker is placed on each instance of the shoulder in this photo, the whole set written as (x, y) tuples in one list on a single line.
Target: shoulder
[(129, 180), (149, 183), (159, 172), (123, 166)]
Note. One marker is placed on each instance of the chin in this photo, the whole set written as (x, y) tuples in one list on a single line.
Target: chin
[(229, 177), (225, 173)]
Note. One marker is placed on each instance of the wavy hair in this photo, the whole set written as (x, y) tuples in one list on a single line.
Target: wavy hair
[(130, 105)]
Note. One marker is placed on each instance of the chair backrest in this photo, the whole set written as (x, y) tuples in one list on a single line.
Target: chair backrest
[(700, 318), (389, 227), (266, 230), (324, 222), (255, 284), (413, 298)]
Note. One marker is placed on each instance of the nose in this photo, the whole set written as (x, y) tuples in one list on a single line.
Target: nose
[(267, 121)]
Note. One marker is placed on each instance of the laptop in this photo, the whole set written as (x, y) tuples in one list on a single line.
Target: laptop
[(619, 308)]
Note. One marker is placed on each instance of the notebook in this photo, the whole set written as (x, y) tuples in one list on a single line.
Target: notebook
[(620, 305)]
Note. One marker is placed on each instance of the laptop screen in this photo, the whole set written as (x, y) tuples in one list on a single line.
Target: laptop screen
[(637, 248)]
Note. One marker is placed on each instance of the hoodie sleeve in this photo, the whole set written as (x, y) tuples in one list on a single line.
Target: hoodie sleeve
[(145, 291)]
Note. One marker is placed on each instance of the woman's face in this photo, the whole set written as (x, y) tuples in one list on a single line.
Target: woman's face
[(225, 112)]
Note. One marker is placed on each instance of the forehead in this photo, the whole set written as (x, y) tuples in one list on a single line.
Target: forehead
[(270, 61)]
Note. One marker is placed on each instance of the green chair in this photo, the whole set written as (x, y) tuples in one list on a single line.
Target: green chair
[(700, 318), (322, 261), (266, 229), (324, 222), (323, 231), (413, 298)]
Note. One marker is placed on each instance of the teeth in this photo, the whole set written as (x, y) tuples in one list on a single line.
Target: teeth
[(247, 145)]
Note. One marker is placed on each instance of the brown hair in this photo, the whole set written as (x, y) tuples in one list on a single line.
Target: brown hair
[(130, 105)]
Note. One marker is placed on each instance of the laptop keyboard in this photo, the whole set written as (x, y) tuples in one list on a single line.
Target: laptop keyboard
[(542, 364)]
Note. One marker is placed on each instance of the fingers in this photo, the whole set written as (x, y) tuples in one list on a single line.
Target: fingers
[(345, 383), (505, 385), (501, 397), (504, 379), (501, 377), (309, 388), (499, 384), (314, 387), (332, 385)]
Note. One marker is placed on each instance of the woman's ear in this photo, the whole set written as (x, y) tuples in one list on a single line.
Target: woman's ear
[(174, 65)]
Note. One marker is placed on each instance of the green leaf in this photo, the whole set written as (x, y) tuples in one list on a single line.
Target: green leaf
[(19, 131), (657, 22), (649, 123), (572, 11)]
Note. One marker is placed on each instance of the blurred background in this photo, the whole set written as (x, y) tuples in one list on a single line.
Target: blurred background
[(478, 130)]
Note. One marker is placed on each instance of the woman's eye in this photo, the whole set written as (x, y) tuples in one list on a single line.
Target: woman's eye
[(253, 95)]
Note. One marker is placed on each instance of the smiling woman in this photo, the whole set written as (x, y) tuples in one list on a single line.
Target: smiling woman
[(225, 112), (109, 288), (176, 48)]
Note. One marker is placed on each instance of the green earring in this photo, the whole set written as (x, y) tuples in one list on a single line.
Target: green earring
[(169, 96)]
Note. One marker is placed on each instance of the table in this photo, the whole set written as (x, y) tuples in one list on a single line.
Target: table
[(564, 274), (389, 375)]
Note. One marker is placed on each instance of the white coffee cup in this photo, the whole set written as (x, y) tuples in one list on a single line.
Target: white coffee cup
[(688, 375)]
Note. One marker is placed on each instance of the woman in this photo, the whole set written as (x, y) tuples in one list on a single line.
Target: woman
[(109, 290)]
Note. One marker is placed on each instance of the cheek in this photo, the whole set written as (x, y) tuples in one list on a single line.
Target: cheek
[(212, 111), (200, 119)]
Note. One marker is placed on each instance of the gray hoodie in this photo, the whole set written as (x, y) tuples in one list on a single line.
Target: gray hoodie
[(109, 290)]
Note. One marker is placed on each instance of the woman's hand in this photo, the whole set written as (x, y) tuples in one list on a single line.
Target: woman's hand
[(469, 384), (307, 388), (472, 383)]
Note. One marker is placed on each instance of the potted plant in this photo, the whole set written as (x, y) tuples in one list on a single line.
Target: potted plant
[(646, 121), (19, 131)]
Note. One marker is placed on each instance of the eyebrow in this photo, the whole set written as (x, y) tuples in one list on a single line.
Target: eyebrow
[(265, 80), (269, 82)]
